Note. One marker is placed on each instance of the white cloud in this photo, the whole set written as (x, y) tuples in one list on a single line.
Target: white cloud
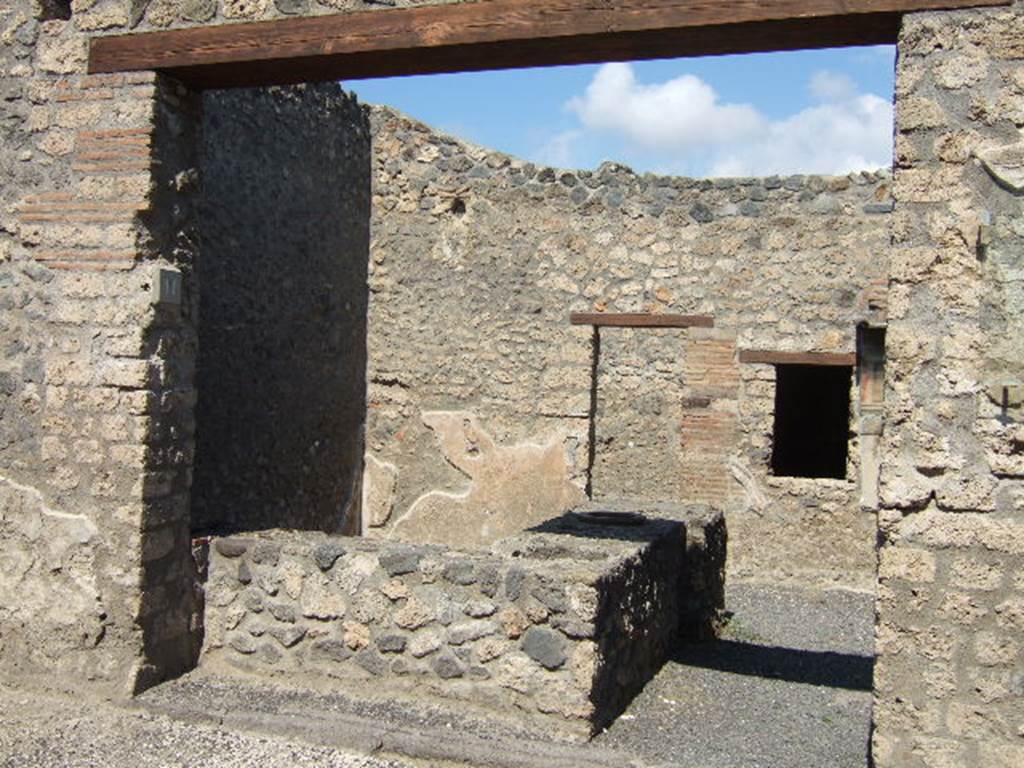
[(683, 124), (680, 114), (832, 86)]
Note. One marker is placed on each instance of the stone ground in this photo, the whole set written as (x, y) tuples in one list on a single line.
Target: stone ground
[(788, 687)]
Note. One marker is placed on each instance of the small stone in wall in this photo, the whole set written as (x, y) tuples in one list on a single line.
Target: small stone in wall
[(331, 650), (244, 573), (266, 553), (536, 612), (242, 643), (321, 601), (394, 590), (413, 614), (369, 607), (244, 9), (253, 601), (269, 582), (544, 646), (400, 562), (326, 554), (467, 631), (574, 627), (372, 662), (514, 582), (292, 7), (269, 654), (552, 597), (230, 547), (1005, 164), (447, 666), (489, 580), (517, 672), (491, 648), (424, 643), (283, 612), (355, 635), (479, 609), (288, 636), (391, 643), (460, 572), (513, 621)]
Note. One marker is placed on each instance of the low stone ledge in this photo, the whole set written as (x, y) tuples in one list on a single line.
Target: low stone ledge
[(561, 625)]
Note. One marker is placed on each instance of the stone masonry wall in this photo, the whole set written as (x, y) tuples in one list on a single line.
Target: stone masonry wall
[(560, 626), (95, 410), (484, 398), (282, 336), (950, 672)]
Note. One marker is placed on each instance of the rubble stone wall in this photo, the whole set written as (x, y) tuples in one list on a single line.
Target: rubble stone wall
[(561, 625), (96, 582), (487, 408), (950, 671), (281, 377)]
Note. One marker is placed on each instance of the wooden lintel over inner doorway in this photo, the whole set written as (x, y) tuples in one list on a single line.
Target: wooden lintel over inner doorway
[(641, 320), (499, 34), (778, 357)]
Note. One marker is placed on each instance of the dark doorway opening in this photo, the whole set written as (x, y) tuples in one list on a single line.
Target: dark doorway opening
[(812, 421)]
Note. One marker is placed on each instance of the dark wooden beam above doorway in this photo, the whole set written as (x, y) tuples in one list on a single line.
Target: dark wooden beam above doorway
[(500, 34), (640, 320), (778, 357)]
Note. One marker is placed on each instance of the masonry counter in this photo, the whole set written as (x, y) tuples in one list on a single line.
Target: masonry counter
[(558, 626)]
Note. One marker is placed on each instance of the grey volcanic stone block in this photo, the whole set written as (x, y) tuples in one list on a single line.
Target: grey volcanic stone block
[(447, 666), (399, 562), (372, 662), (701, 213), (460, 572), (230, 547), (244, 573), (545, 647), (326, 554), (331, 650), (391, 643), (266, 553)]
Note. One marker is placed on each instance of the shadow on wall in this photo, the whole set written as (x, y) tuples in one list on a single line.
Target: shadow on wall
[(283, 300)]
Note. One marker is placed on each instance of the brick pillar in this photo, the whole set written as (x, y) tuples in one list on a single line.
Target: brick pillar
[(708, 428), (109, 476)]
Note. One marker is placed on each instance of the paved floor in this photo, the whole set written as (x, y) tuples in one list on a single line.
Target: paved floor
[(787, 687)]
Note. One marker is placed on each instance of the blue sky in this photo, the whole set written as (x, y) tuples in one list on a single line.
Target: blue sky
[(800, 112)]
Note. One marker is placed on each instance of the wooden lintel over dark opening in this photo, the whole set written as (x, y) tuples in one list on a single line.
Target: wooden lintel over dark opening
[(778, 357), (641, 320), (499, 34)]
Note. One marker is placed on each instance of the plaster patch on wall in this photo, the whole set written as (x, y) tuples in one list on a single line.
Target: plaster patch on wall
[(511, 487), (1005, 164), (754, 499), (47, 553), (378, 491)]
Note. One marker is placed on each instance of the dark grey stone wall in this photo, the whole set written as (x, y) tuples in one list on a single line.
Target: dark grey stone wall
[(282, 334)]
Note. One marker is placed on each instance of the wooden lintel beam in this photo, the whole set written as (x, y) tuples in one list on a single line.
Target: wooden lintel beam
[(641, 320), (499, 34), (778, 357)]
